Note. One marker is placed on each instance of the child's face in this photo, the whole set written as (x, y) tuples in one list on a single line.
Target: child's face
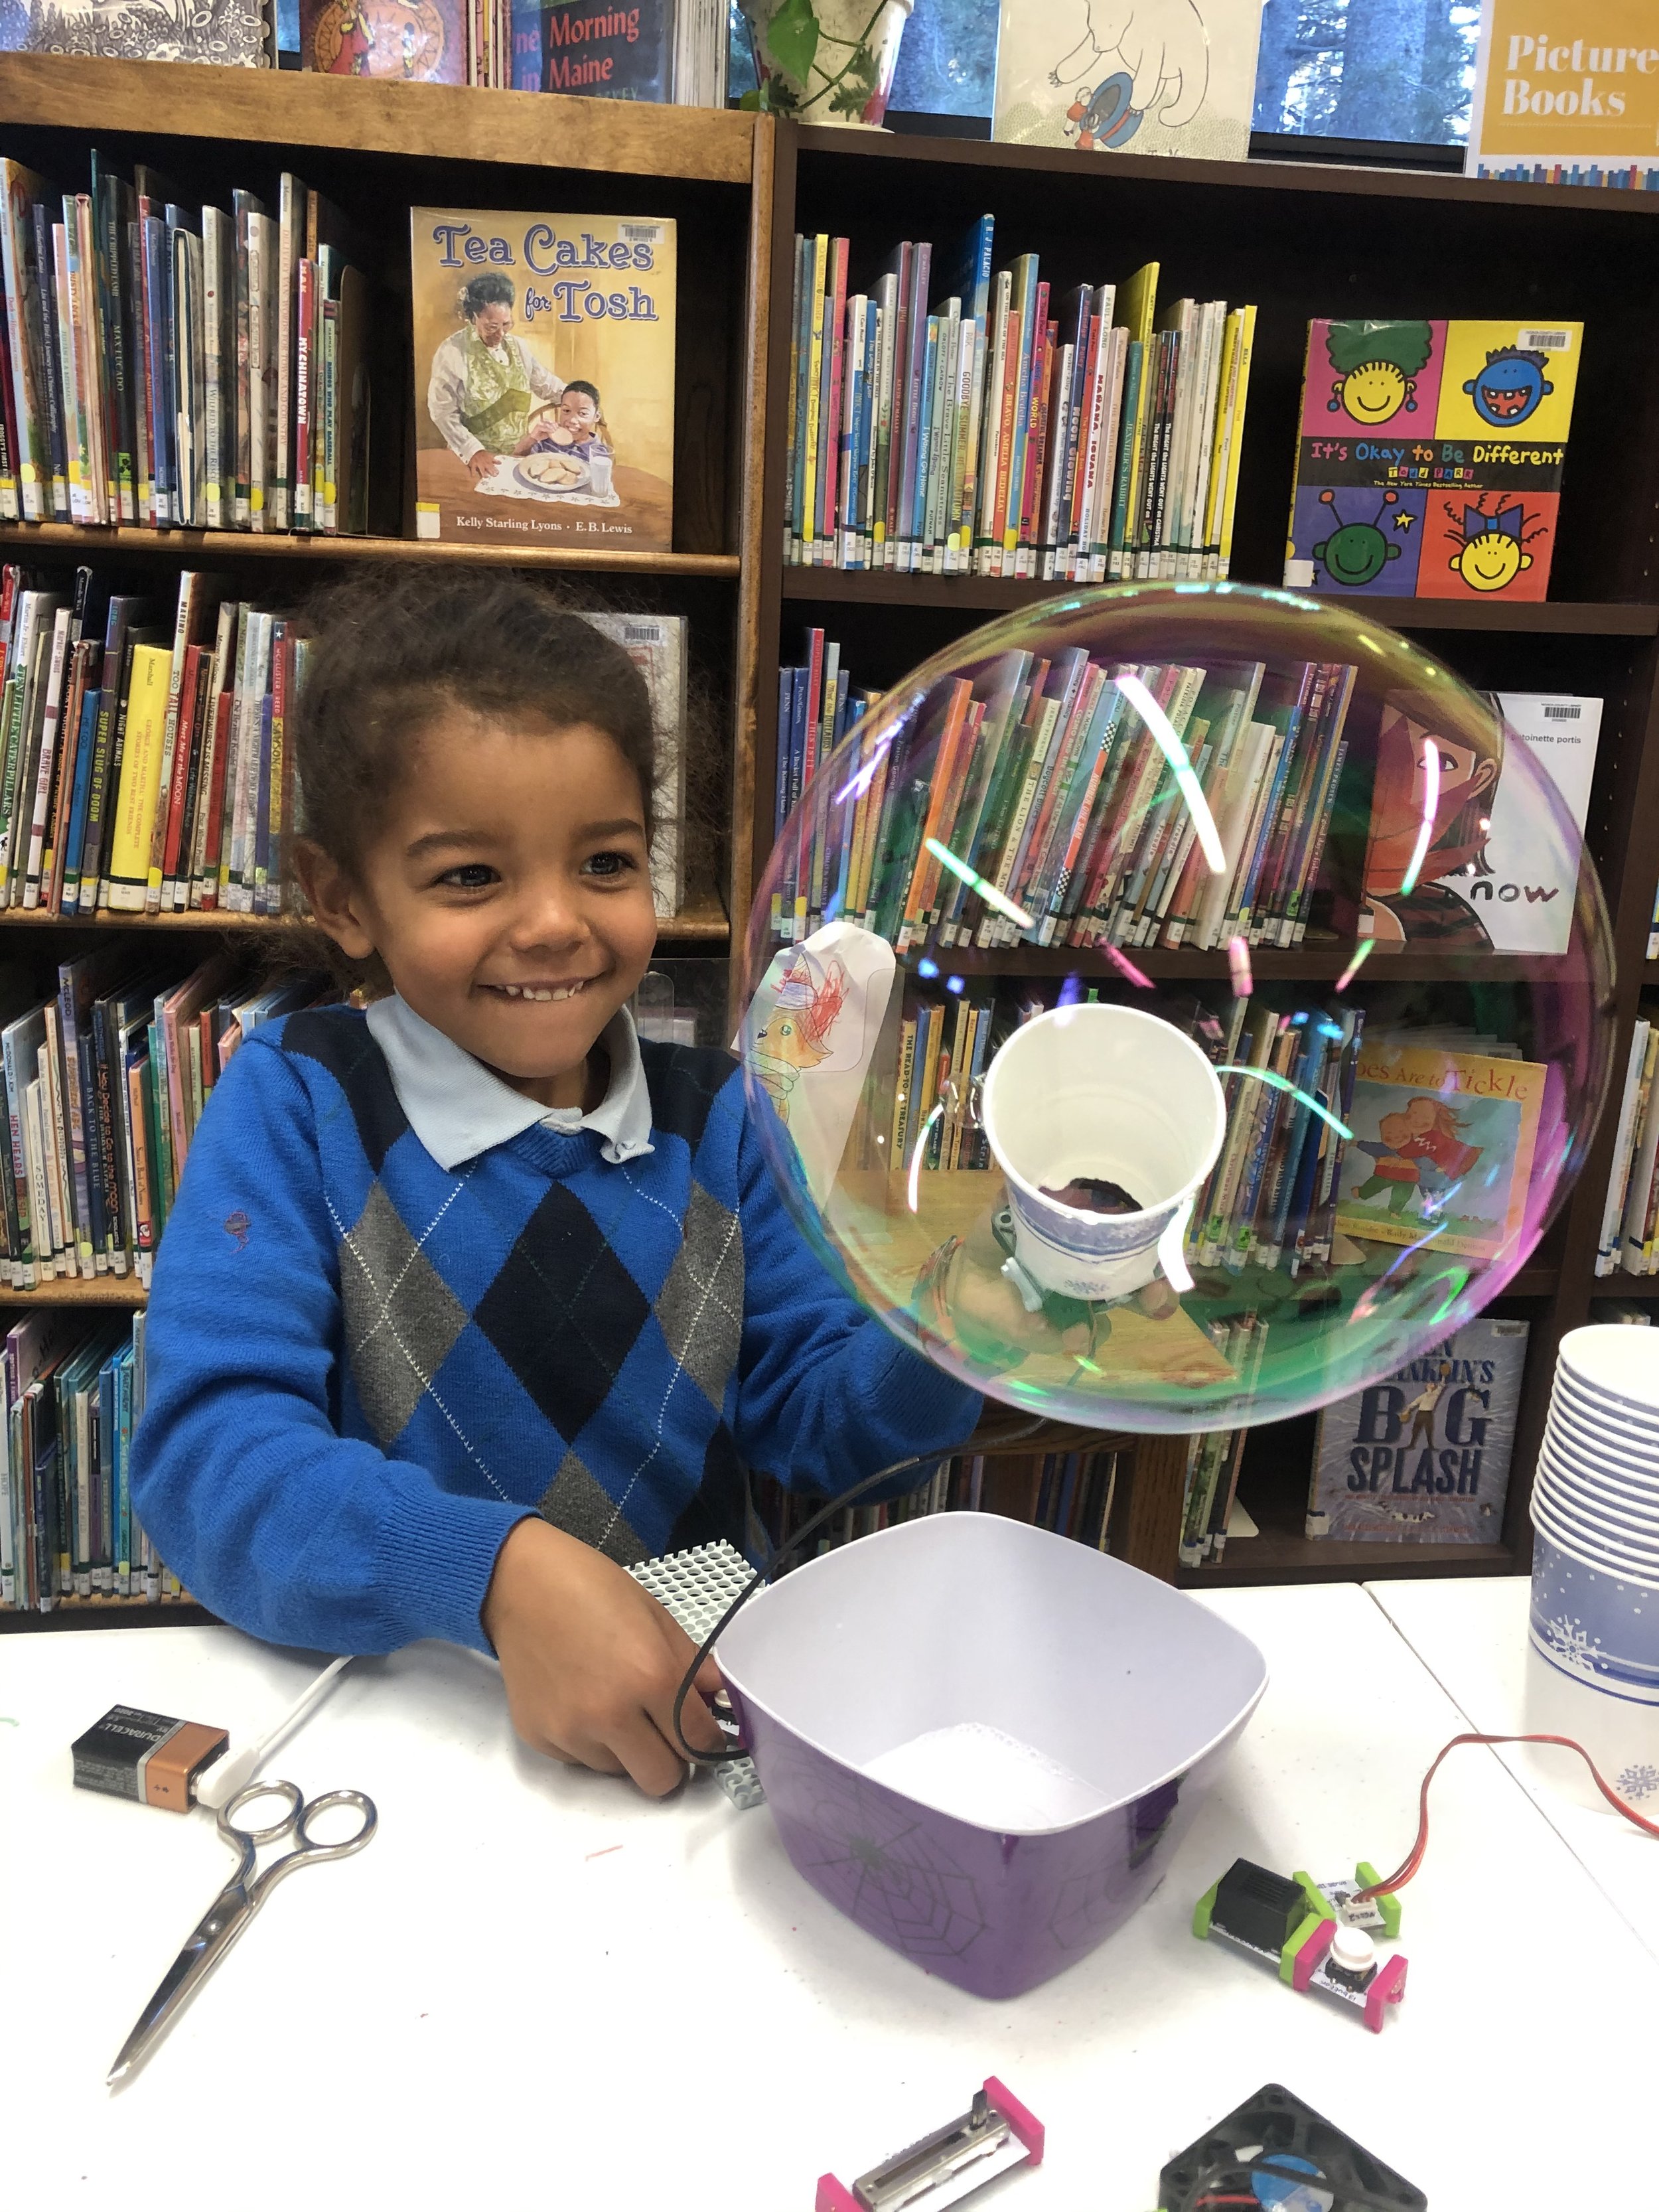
[(508, 894), (577, 411)]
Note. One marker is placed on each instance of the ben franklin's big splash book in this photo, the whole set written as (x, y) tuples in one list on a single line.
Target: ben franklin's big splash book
[(1424, 1456), (1430, 461), (543, 378)]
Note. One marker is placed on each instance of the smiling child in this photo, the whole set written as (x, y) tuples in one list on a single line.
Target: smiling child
[(514, 1302)]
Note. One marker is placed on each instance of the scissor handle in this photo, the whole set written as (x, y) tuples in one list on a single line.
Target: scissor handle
[(233, 1829), (353, 1843)]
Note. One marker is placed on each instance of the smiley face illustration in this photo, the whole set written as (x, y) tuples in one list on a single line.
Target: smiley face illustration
[(1356, 553), (1512, 386), (1490, 547), (1378, 366)]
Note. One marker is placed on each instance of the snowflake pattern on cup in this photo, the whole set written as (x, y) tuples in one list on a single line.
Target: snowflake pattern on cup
[(1636, 1782), (1571, 1646)]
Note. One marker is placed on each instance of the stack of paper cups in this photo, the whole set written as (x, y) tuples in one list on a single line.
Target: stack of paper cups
[(1592, 1656)]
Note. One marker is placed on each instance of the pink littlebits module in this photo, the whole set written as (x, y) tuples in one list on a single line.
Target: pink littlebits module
[(994, 2134)]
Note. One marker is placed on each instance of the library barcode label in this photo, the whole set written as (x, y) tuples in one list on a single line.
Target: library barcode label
[(427, 523), (1567, 711), (641, 234), (1543, 341)]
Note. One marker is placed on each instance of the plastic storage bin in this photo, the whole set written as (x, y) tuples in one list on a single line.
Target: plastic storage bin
[(982, 1742)]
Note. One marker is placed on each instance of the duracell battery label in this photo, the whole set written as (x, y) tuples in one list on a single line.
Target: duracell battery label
[(149, 1757)]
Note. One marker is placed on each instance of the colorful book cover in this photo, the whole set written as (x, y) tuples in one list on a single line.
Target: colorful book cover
[(1424, 1456), (1107, 80), (1430, 455), (234, 34), (1522, 883), (604, 53), (544, 378), (1442, 1151), (422, 40)]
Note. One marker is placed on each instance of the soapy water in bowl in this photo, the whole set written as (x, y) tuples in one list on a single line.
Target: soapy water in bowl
[(981, 1774)]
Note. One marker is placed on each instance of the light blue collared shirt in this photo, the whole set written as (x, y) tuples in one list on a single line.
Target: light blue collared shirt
[(459, 1109)]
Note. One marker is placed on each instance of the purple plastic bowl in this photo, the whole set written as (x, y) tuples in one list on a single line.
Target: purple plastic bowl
[(1130, 1686)]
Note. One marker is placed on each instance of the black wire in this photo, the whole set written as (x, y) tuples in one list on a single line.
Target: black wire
[(836, 1505)]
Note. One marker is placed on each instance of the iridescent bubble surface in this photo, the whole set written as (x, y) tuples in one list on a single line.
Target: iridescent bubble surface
[(1178, 1005)]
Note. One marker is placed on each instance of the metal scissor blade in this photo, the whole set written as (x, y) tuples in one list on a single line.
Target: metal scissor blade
[(212, 1937)]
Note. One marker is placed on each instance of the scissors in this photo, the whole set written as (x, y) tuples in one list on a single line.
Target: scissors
[(240, 1898)]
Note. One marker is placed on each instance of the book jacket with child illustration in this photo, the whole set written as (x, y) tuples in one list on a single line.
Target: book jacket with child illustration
[(1442, 1149), (544, 379)]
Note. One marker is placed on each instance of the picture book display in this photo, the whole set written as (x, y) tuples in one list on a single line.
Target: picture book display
[(544, 378), (1424, 1457), (1494, 876), (1430, 455), (603, 52), (419, 41), (1172, 76), (1442, 1149), (232, 34), (1521, 885), (1566, 92), (947, 417)]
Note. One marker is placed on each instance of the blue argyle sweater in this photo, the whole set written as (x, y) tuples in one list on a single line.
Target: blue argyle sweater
[(364, 1369)]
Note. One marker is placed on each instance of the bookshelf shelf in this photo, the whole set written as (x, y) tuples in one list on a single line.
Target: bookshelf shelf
[(1282, 1557), (988, 594), (127, 543), (122, 1292), (1308, 963), (234, 545), (69, 1612), (378, 115), (697, 925)]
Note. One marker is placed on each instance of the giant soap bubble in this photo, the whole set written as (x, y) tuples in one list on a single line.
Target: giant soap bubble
[(1178, 1005)]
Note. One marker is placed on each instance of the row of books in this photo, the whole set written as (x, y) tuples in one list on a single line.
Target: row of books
[(73, 1398), (145, 768), (1629, 1242), (818, 703), (1213, 1461), (1050, 790), (1070, 1493), (170, 365), (959, 422), (105, 1082)]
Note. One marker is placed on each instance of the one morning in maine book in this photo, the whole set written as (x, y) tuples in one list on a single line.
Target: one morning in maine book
[(543, 378)]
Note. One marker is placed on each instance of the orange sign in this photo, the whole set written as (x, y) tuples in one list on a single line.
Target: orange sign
[(1567, 81)]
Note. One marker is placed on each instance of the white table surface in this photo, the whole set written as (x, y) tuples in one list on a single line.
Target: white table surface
[(536, 1990), (1471, 1635)]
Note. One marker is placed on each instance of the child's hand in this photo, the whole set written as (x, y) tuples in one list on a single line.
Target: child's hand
[(591, 1662)]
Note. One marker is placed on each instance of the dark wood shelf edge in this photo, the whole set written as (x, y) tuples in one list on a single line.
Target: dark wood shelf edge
[(1280, 1559), (69, 1612), (1293, 177), (291, 545), (1562, 617)]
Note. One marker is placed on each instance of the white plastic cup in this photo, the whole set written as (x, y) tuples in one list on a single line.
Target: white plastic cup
[(1110, 1094)]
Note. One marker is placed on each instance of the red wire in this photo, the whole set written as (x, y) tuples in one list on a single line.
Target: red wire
[(1413, 1858)]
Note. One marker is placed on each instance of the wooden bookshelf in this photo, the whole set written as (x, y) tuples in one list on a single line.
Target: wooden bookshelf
[(1301, 239), (376, 148), (1297, 239)]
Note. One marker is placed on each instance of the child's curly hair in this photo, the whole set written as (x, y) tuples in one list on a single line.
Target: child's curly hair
[(399, 644)]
